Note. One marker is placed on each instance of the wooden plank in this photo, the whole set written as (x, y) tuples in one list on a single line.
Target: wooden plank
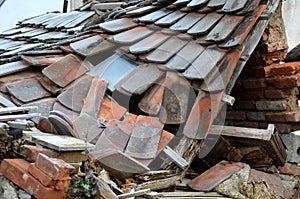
[(203, 66), (154, 16), (133, 194), (205, 24), (170, 19), (224, 28), (148, 43), (117, 25), (185, 56), (187, 22), (132, 36), (164, 52), (177, 159)]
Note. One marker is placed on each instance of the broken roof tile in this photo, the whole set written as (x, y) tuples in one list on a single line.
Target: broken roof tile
[(111, 111), (111, 71), (164, 52), (185, 56), (205, 24), (17, 30), (65, 70), (205, 63), (61, 126), (118, 25), (141, 78), (42, 60), (94, 98), (148, 43), (27, 90), (187, 22), (153, 16), (224, 28), (170, 19), (234, 5), (49, 86), (132, 36), (73, 97)]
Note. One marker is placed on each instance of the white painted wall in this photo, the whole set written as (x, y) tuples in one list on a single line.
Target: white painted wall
[(291, 15), (12, 11)]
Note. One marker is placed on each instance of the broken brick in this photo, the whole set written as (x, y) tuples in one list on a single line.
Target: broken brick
[(283, 117), (39, 175), (289, 68), (290, 169), (55, 168)]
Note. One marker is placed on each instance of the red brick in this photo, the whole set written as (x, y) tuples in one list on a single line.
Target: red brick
[(277, 94), (283, 117), (235, 115), (283, 128), (57, 169), (40, 175), (285, 81), (258, 93), (267, 105), (263, 72), (290, 169), (17, 171), (255, 83), (256, 116), (285, 69)]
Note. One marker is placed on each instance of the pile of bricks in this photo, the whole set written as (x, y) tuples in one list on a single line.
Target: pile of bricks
[(46, 178)]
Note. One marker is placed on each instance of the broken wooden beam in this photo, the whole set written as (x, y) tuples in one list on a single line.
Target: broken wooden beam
[(177, 159)]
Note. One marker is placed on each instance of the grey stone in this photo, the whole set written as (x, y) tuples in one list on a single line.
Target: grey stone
[(7, 191), (292, 141)]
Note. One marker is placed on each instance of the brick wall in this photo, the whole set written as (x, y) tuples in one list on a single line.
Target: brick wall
[(267, 90)]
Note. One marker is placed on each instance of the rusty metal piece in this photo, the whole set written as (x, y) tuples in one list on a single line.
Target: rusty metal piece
[(195, 3), (86, 127), (148, 43), (175, 100), (132, 36), (65, 70), (61, 126), (170, 19), (274, 182), (27, 90), (94, 98), (152, 100), (205, 24), (164, 52), (110, 111), (154, 16), (44, 106), (71, 114), (143, 143), (234, 5), (187, 22), (185, 56), (203, 112), (73, 97), (49, 86), (118, 163), (115, 136), (219, 80), (117, 25), (110, 69), (216, 3), (226, 26), (211, 178), (142, 78), (42, 60), (91, 46), (203, 66), (13, 67), (241, 33)]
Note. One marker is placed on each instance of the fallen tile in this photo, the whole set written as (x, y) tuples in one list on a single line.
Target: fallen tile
[(142, 78), (175, 100), (61, 142), (211, 178), (65, 70), (91, 46), (73, 97), (61, 126), (115, 136), (117, 25), (132, 36), (110, 111), (42, 60), (13, 67), (94, 98), (143, 142), (27, 90), (86, 127), (17, 171), (168, 49)]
